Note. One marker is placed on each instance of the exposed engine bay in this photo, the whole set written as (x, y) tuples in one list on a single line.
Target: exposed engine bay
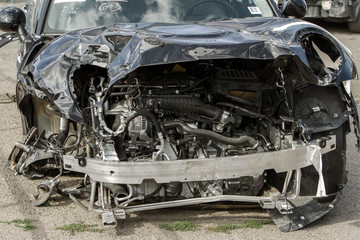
[(179, 116), (182, 134)]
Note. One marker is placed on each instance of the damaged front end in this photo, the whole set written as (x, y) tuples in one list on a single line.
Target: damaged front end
[(158, 116)]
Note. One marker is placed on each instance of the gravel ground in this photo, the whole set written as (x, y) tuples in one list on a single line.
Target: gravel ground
[(341, 223)]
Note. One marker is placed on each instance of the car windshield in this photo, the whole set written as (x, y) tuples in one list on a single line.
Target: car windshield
[(66, 15)]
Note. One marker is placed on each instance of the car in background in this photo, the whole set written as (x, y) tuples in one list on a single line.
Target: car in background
[(334, 11), (165, 103)]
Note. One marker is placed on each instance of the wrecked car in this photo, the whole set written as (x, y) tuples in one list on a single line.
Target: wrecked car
[(163, 104)]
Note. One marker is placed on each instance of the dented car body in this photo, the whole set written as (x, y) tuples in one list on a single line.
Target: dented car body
[(204, 107)]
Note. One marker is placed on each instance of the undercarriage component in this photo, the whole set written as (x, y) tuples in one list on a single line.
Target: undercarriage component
[(45, 190), (305, 210), (108, 219), (186, 202)]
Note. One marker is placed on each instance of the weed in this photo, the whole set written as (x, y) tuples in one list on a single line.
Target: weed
[(179, 226), (252, 224), (225, 228), (22, 223), (79, 227)]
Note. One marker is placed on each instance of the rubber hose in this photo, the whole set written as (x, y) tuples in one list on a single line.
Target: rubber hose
[(211, 135)]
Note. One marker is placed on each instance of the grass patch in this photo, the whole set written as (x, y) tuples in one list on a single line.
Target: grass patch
[(226, 228), (79, 227), (179, 226), (25, 224), (252, 224)]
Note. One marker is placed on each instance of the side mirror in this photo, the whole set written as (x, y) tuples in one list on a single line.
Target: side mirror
[(295, 8), (12, 20)]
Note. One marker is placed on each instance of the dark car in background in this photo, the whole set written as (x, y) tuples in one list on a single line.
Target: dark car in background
[(170, 103), (346, 11)]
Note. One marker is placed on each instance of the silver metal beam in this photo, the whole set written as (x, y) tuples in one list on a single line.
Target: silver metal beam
[(197, 169), (194, 201)]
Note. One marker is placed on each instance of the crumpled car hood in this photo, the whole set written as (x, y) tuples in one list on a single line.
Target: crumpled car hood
[(124, 48)]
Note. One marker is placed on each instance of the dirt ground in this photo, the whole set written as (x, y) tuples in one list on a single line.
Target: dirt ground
[(343, 222)]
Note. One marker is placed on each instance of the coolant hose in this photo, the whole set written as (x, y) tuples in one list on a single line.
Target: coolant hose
[(211, 135)]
